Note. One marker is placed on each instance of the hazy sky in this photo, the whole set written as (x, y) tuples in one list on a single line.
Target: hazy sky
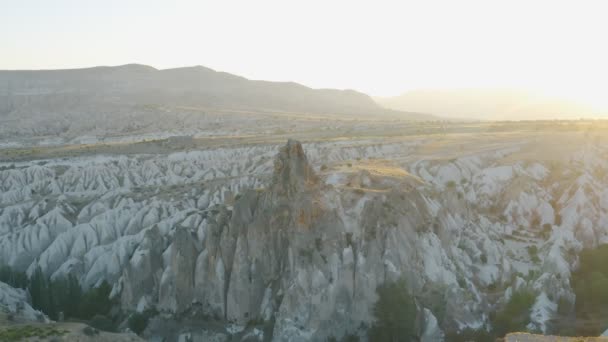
[(379, 47)]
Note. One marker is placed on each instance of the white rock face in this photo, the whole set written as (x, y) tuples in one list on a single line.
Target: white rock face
[(15, 302), (431, 332), (183, 230)]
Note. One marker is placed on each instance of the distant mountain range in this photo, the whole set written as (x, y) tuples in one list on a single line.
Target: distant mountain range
[(487, 104), (190, 86), (134, 99)]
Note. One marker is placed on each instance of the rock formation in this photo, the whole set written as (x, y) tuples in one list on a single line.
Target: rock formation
[(285, 254), (305, 250), (15, 307)]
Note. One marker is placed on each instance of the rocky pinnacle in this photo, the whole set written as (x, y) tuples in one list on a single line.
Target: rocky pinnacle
[(292, 173)]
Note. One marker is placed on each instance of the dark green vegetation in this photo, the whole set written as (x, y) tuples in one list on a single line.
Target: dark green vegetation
[(515, 315), (395, 314), (590, 283), (533, 252), (587, 316), (346, 338), (28, 332), (139, 321), (15, 279), (65, 296)]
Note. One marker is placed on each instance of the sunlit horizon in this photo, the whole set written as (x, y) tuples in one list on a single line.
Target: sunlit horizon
[(385, 48)]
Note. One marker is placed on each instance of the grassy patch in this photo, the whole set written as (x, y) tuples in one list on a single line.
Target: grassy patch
[(26, 332)]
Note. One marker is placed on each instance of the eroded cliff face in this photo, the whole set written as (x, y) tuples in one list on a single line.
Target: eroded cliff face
[(309, 255), (301, 253), (282, 253), (246, 234)]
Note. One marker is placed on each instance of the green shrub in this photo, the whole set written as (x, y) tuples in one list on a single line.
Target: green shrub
[(435, 298), (515, 316), (590, 283), (535, 259), (462, 283), (533, 252), (350, 338), (13, 278), (395, 313), (96, 301), (139, 321), (345, 338)]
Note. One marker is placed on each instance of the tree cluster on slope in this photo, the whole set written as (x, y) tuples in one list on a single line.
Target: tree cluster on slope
[(590, 283), (395, 313), (64, 296)]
